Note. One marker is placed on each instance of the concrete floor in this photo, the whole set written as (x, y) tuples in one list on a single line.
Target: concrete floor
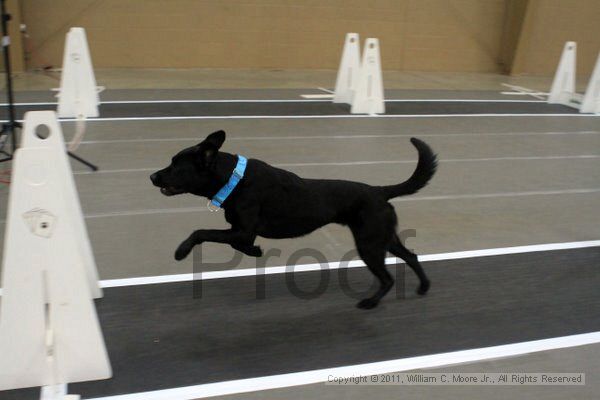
[(581, 359), (482, 197), (120, 202)]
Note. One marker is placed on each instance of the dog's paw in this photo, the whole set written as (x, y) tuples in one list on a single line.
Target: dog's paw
[(254, 251), (367, 304), (423, 288), (183, 250), (250, 250)]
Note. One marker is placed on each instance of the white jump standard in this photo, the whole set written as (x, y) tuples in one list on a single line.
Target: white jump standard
[(563, 86), (78, 95), (49, 330), (359, 81), (563, 90), (368, 97), (348, 71)]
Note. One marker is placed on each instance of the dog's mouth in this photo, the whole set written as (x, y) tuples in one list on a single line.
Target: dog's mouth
[(171, 191)]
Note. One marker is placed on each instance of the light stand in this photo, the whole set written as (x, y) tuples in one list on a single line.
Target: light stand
[(8, 128), (8, 131)]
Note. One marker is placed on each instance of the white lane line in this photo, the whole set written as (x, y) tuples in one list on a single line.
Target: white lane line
[(116, 171), (400, 199), (349, 163), (382, 367), (237, 273), (149, 211), (327, 137), (305, 100), (397, 200), (317, 96), (154, 211), (528, 94), (191, 101), (523, 90), (325, 90), (464, 101), (217, 117), (474, 196), (496, 195)]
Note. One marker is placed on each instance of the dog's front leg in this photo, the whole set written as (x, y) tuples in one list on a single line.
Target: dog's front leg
[(237, 239), (248, 249)]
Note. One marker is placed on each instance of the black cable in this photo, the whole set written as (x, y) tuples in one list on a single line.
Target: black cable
[(8, 128)]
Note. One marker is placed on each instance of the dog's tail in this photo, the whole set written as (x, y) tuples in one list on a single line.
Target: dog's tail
[(423, 173)]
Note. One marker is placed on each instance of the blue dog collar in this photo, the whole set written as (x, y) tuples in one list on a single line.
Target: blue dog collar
[(234, 179)]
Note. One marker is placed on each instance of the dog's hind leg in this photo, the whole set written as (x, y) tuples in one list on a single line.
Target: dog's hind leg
[(372, 237), (375, 261), (398, 249)]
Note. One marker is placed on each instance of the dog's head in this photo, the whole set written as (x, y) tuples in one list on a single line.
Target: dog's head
[(191, 169)]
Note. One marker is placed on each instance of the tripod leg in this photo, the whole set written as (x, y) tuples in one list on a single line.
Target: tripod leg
[(81, 160)]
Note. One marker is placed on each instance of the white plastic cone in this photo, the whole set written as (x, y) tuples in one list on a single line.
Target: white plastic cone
[(563, 85), (348, 71), (591, 100), (368, 97), (49, 330), (78, 94)]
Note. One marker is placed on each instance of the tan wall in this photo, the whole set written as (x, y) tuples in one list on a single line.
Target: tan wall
[(513, 25), (426, 35), (548, 25), (17, 61)]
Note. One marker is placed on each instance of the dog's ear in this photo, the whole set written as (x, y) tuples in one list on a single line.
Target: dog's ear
[(215, 140), (210, 146)]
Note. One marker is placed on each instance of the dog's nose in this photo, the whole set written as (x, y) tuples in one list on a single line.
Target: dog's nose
[(154, 178)]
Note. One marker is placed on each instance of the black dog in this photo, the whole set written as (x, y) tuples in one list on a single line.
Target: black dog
[(274, 203)]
